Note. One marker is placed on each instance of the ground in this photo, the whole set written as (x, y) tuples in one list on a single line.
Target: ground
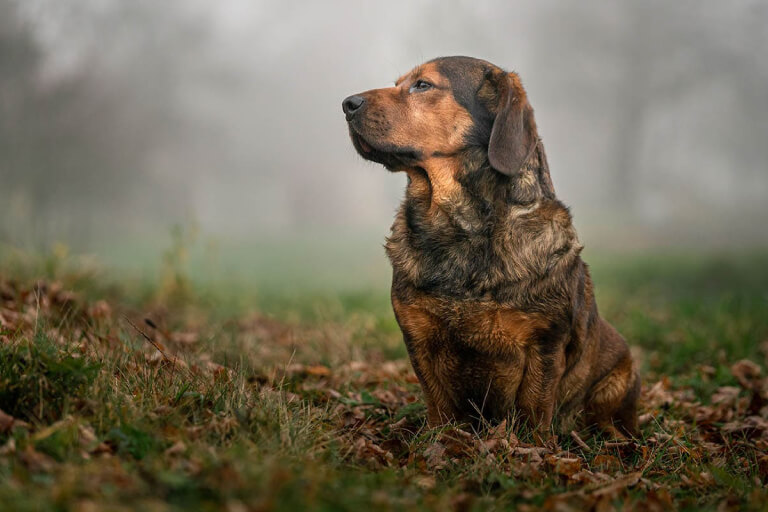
[(168, 394)]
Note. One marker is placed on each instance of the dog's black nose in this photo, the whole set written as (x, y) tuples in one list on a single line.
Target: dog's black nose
[(351, 105)]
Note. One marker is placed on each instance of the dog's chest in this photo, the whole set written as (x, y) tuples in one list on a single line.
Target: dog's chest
[(471, 328), (474, 352)]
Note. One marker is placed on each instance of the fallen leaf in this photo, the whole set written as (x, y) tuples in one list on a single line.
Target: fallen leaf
[(435, 456), (425, 481), (35, 461), (565, 466), (606, 462), (747, 373), (318, 371), (6, 421), (176, 449)]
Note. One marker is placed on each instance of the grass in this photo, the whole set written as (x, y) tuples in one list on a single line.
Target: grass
[(283, 400)]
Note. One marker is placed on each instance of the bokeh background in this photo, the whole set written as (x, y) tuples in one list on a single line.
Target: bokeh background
[(119, 120)]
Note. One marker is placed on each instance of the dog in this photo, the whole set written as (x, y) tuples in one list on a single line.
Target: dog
[(495, 304)]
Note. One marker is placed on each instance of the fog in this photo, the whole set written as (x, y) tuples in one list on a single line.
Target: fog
[(119, 119)]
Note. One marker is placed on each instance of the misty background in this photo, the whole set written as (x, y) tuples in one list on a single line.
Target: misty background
[(119, 119)]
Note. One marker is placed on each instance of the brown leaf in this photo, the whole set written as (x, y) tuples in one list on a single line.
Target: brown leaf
[(6, 421), (457, 442), (368, 450), (398, 424), (499, 431), (586, 477), (100, 310), (726, 395), (493, 446), (644, 419), (606, 462), (386, 397), (185, 338), (566, 466), (86, 437), (658, 395), (5, 323), (617, 485), (531, 455), (318, 371), (425, 481), (104, 449), (747, 373), (657, 500), (435, 456), (731, 503), (9, 447), (35, 461), (178, 448), (762, 464), (750, 426)]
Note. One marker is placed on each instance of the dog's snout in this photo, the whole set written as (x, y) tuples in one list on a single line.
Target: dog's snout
[(351, 105)]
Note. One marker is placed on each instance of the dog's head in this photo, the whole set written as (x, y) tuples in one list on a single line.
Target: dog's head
[(441, 109)]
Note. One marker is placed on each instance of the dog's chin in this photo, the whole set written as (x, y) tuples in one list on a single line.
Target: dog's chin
[(391, 157)]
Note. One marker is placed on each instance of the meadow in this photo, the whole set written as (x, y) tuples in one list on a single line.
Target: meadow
[(281, 389)]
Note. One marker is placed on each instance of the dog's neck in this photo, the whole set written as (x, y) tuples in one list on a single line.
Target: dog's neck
[(445, 185)]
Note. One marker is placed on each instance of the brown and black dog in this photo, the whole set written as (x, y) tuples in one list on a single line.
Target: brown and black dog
[(494, 301)]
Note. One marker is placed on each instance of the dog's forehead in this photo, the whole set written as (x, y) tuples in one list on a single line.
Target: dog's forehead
[(458, 70), (461, 70), (465, 75), (426, 70)]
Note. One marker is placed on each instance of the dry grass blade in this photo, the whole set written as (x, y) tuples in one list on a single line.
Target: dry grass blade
[(149, 339), (579, 441)]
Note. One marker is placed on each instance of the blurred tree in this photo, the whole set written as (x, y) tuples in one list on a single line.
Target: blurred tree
[(84, 137), (700, 73), (665, 58)]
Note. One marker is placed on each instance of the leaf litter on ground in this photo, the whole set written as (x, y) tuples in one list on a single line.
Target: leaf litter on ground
[(83, 385)]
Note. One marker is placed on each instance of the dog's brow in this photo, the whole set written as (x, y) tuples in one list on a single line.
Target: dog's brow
[(415, 72)]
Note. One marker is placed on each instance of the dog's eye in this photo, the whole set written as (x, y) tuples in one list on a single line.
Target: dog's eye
[(420, 85)]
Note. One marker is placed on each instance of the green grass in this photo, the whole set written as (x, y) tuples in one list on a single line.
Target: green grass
[(302, 399), (37, 379), (693, 310)]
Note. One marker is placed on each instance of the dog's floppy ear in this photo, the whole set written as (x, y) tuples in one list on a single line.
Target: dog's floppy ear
[(513, 136)]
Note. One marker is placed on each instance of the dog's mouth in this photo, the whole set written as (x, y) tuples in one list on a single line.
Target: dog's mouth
[(364, 146), (389, 156)]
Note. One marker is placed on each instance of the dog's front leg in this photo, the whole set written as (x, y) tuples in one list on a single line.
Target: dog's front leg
[(422, 334), (545, 366), (440, 408)]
